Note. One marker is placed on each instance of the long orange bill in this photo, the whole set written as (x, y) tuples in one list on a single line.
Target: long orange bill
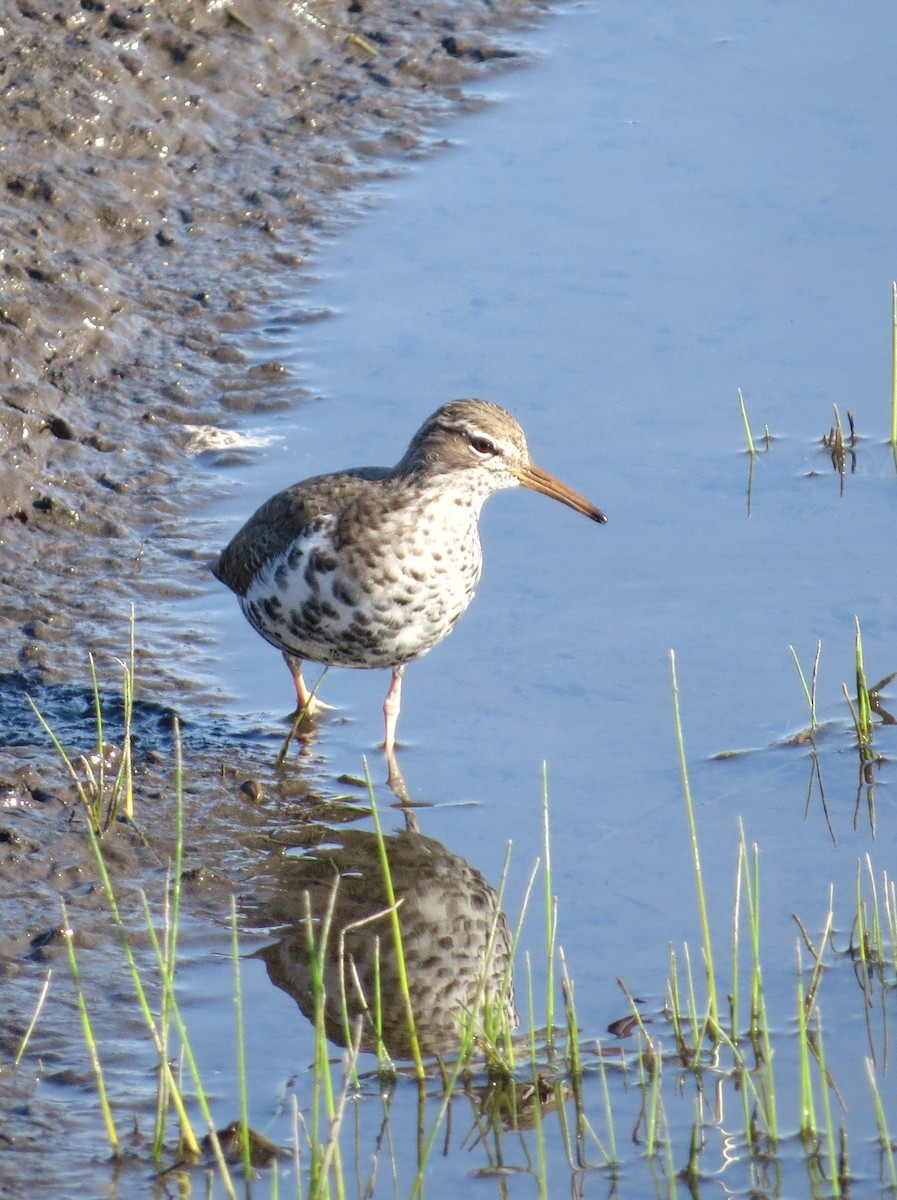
[(540, 480)]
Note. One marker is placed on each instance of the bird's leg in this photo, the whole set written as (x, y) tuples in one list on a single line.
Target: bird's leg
[(391, 707), (305, 700), (308, 702)]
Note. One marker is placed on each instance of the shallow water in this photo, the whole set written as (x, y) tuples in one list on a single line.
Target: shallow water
[(668, 205), (652, 217)]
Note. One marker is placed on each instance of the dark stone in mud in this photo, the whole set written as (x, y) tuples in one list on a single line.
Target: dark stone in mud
[(252, 789), (12, 844)]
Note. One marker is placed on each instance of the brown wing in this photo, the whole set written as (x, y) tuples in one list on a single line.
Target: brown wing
[(280, 520)]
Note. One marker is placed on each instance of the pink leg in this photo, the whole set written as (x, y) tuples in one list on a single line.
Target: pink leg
[(307, 701), (303, 695), (391, 707)]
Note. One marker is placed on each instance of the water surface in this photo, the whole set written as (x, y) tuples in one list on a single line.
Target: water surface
[(668, 205)]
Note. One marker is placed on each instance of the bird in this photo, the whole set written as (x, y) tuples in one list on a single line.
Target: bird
[(373, 566)]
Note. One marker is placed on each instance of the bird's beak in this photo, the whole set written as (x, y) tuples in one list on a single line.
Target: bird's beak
[(539, 480)]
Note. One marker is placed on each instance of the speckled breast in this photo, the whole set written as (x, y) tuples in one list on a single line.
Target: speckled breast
[(373, 597)]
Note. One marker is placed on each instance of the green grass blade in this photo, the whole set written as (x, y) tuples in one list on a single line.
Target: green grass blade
[(809, 690), (864, 707), (396, 929), (612, 1158), (67, 763), (890, 891), (187, 1050), (93, 833), (172, 907), (752, 450), (550, 914), (736, 937), (105, 1108), (884, 1136), (35, 1016), (834, 1171), (807, 1106), (676, 1010), (125, 780), (102, 821), (241, 1043), (696, 857)]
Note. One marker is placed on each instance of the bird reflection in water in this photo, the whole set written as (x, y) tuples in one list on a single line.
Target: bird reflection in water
[(455, 940)]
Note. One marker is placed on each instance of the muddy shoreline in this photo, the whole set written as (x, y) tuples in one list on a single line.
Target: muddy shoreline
[(167, 170)]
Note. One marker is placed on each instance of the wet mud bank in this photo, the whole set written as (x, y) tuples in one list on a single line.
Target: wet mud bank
[(166, 170)]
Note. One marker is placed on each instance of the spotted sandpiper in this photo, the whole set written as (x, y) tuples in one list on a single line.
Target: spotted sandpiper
[(372, 566)]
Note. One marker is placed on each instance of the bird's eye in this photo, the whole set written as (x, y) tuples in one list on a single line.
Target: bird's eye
[(483, 445)]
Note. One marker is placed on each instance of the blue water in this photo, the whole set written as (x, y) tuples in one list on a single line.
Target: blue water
[(668, 204)]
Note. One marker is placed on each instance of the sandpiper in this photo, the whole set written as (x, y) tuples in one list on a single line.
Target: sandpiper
[(372, 566)]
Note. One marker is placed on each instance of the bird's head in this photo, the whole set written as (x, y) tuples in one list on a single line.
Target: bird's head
[(479, 437)]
